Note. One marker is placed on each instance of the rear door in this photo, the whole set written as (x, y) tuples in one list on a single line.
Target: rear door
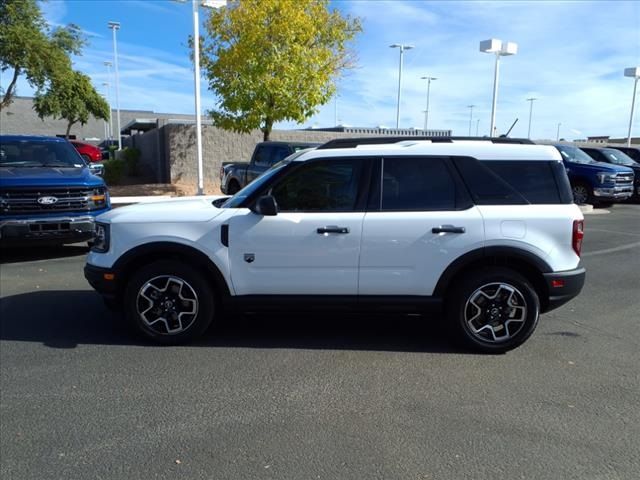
[(418, 222)]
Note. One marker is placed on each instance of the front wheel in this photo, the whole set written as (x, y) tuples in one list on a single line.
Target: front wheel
[(493, 310), (582, 193), (169, 302)]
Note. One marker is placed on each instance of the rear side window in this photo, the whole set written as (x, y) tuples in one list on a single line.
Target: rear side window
[(515, 182), (262, 155), (417, 184)]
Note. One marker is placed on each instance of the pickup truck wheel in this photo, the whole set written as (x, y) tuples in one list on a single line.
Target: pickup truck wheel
[(169, 302), (233, 187), (582, 193), (493, 310)]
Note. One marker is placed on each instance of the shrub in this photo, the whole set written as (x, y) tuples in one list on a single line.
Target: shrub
[(132, 158), (114, 171)]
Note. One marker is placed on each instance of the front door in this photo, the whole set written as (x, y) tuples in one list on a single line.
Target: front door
[(312, 246)]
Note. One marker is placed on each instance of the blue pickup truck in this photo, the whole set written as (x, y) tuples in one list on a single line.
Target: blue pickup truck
[(48, 194), (594, 182)]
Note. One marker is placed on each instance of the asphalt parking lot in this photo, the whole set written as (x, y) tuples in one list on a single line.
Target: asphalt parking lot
[(308, 397)]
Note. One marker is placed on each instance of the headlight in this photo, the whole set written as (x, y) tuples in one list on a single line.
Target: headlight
[(99, 198), (606, 177), (102, 238)]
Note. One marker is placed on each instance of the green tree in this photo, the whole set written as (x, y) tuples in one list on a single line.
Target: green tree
[(274, 60), (71, 97), (28, 47)]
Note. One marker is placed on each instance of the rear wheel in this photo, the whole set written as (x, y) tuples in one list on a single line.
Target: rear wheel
[(582, 193), (493, 310), (233, 188), (169, 302)]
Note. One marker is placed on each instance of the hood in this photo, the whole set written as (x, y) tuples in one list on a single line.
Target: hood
[(47, 177), (600, 167), (183, 209)]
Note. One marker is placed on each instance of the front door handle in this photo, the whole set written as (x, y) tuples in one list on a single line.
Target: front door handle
[(448, 229), (332, 229)]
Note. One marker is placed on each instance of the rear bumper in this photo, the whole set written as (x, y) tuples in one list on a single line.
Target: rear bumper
[(563, 286), (54, 230)]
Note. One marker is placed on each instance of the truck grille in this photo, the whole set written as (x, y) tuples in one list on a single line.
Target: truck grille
[(31, 200), (624, 179)]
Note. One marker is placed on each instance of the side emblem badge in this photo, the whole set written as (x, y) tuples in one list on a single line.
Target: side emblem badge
[(249, 257)]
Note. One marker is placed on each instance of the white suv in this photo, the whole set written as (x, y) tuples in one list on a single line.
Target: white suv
[(484, 231)]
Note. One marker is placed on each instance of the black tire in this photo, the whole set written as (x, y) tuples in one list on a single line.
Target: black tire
[(233, 188), (161, 319), (496, 324), (582, 193)]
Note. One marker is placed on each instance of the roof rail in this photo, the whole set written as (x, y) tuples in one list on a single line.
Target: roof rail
[(354, 142)]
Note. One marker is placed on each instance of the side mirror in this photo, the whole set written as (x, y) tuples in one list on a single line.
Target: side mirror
[(96, 169), (266, 205)]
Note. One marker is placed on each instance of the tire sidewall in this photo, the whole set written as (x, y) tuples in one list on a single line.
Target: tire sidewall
[(199, 283), (458, 301)]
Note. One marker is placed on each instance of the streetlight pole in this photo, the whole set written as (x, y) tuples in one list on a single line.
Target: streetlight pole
[(426, 112), (110, 131), (116, 26), (470, 107), (477, 126), (500, 49), (196, 81), (558, 133), (633, 72), (530, 100), (402, 49)]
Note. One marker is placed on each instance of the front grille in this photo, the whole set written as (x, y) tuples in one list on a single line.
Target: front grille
[(24, 201), (624, 179)]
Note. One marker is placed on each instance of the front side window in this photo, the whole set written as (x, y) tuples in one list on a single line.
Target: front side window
[(322, 186), (417, 184)]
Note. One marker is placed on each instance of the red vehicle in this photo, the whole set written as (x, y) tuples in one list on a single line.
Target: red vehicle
[(89, 152)]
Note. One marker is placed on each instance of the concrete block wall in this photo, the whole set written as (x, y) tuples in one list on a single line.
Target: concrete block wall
[(220, 146)]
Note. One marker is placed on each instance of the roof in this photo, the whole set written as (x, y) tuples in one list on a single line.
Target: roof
[(482, 150), (26, 138)]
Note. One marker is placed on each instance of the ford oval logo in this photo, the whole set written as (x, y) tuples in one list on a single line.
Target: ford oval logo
[(47, 200)]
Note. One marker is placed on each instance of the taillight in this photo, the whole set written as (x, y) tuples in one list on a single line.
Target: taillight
[(578, 235)]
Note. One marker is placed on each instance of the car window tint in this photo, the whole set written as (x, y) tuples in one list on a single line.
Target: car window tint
[(485, 186), (417, 184), (534, 180), (324, 186), (262, 155)]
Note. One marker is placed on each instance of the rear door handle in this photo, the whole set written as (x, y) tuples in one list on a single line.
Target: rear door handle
[(332, 229), (448, 229)]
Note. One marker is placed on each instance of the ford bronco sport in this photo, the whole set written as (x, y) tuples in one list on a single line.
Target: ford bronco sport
[(484, 231)]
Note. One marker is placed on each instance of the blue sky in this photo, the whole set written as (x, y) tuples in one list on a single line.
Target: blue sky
[(571, 57)]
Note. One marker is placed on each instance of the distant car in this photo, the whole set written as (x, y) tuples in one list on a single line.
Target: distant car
[(633, 152), (616, 157), (89, 152)]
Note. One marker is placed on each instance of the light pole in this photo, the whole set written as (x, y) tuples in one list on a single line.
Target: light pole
[(530, 100), (116, 26), (402, 49), (108, 85), (195, 6), (633, 72), (470, 107), (500, 49), (477, 126), (426, 112), (558, 133), (108, 98)]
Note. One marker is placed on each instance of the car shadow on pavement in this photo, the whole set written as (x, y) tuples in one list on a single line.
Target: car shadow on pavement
[(29, 254), (66, 319)]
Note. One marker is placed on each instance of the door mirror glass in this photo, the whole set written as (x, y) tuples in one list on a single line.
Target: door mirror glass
[(266, 205)]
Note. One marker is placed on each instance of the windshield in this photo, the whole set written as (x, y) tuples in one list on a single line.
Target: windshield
[(39, 153), (619, 158), (574, 154), (242, 195)]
